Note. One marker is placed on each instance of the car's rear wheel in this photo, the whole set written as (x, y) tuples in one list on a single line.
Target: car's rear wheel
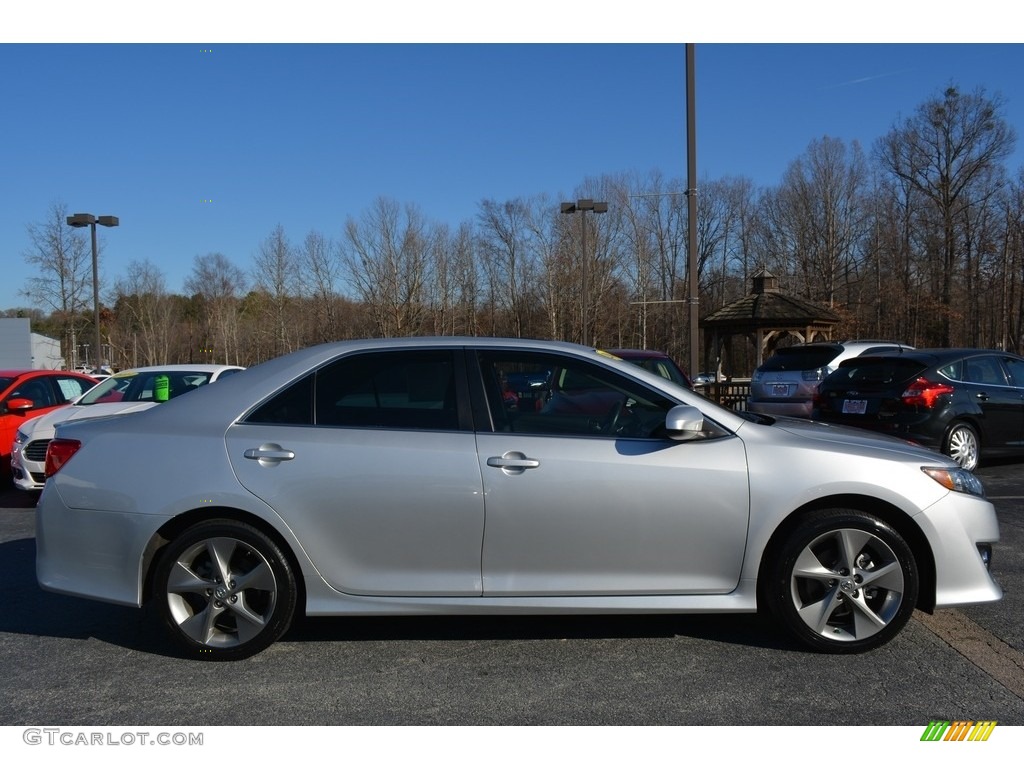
[(843, 582), (962, 445), (225, 590)]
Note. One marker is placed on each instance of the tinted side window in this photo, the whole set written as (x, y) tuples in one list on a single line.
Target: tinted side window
[(984, 370), (400, 390), (293, 405), (38, 390), (1016, 369), (577, 398)]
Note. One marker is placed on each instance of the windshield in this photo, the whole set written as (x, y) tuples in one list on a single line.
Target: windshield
[(149, 386)]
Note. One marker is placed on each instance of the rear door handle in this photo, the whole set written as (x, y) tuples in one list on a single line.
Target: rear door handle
[(269, 454)]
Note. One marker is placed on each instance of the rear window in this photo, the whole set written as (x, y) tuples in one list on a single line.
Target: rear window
[(801, 358), (875, 371)]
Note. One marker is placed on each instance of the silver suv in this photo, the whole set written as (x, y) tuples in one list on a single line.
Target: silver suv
[(785, 384)]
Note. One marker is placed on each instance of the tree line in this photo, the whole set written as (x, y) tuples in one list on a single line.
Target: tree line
[(916, 239)]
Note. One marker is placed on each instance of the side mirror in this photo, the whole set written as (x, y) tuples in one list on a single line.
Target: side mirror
[(19, 405), (684, 422)]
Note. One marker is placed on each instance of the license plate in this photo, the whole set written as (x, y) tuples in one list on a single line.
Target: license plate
[(780, 390), (855, 406)]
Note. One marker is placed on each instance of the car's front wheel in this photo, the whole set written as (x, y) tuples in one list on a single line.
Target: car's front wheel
[(962, 445), (843, 582), (225, 590)]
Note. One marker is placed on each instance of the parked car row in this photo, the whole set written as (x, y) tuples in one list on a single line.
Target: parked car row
[(28, 393), (786, 383), (405, 476), (131, 390), (966, 403)]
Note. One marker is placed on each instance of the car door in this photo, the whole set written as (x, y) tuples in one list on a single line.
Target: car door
[(1015, 367), (585, 495), (373, 466), (1000, 404), (34, 387)]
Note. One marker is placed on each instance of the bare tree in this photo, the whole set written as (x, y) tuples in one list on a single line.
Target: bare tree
[(947, 152), (63, 257), (385, 256), (144, 315), (319, 272), (509, 261), (218, 284), (275, 274)]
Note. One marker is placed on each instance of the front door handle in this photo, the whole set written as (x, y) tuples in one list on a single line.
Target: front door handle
[(513, 462)]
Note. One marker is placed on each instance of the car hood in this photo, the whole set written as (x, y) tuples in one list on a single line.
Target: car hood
[(49, 421), (857, 438)]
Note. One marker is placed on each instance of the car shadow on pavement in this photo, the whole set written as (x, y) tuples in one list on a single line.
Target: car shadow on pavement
[(735, 629), (29, 610)]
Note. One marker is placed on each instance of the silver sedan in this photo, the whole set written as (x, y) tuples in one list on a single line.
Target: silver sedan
[(410, 476)]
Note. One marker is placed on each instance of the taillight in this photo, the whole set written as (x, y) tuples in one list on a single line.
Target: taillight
[(58, 453), (924, 394)]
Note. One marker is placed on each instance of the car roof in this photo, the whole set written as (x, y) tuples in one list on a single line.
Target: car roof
[(239, 392), (189, 367), (15, 372), (938, 354), (630, 354)]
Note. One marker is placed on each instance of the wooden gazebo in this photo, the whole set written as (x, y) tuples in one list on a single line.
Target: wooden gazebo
[(766, 317)]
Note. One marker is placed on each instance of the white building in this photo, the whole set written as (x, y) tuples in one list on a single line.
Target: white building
[(20, 348)]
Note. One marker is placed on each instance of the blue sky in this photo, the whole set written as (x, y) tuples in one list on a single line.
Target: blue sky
[(202, 147)]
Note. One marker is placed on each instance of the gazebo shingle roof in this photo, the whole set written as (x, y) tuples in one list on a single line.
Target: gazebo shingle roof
[(770, 310)]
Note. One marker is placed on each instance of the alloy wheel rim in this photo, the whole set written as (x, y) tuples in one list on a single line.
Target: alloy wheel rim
[(221, 592), (963, 448), (847, 585)]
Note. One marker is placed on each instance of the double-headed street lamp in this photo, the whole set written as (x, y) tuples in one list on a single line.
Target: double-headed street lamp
[(583, 206), (88, 220)]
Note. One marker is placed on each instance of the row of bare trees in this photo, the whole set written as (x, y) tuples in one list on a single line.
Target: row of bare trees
[(919, 239)]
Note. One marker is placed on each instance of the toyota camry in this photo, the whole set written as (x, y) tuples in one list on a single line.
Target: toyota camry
[(394, 477)]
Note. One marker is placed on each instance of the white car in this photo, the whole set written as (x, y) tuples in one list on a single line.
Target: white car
[(396, 477), (132, 390)]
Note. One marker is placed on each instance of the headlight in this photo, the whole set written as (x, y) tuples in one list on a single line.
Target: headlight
[(20, 438), (959, 480)]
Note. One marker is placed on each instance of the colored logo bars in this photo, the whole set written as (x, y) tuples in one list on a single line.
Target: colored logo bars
[(958, 730)]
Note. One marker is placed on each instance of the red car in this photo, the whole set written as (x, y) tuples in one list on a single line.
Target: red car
[(25, 394)]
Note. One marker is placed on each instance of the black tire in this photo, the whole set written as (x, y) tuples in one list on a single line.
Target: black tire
[(843, 582), (962, 445), (224, 590)]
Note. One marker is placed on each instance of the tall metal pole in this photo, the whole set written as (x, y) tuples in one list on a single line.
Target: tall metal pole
[(96, 298), (691, 197), (583, 241)]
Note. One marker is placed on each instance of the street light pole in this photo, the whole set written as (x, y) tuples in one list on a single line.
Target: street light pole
[(88, 220), (583, 206)]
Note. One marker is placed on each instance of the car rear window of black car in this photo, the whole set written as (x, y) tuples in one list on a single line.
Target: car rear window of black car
[(878, 371), (801, 358)]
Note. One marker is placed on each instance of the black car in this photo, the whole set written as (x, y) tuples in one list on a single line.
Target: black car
[(963, 402)]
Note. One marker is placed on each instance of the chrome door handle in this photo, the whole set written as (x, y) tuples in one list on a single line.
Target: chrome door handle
[(513, 461), (269, 453), (497, 461)]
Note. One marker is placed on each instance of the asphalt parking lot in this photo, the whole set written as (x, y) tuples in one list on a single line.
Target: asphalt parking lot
[(77, 662)]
